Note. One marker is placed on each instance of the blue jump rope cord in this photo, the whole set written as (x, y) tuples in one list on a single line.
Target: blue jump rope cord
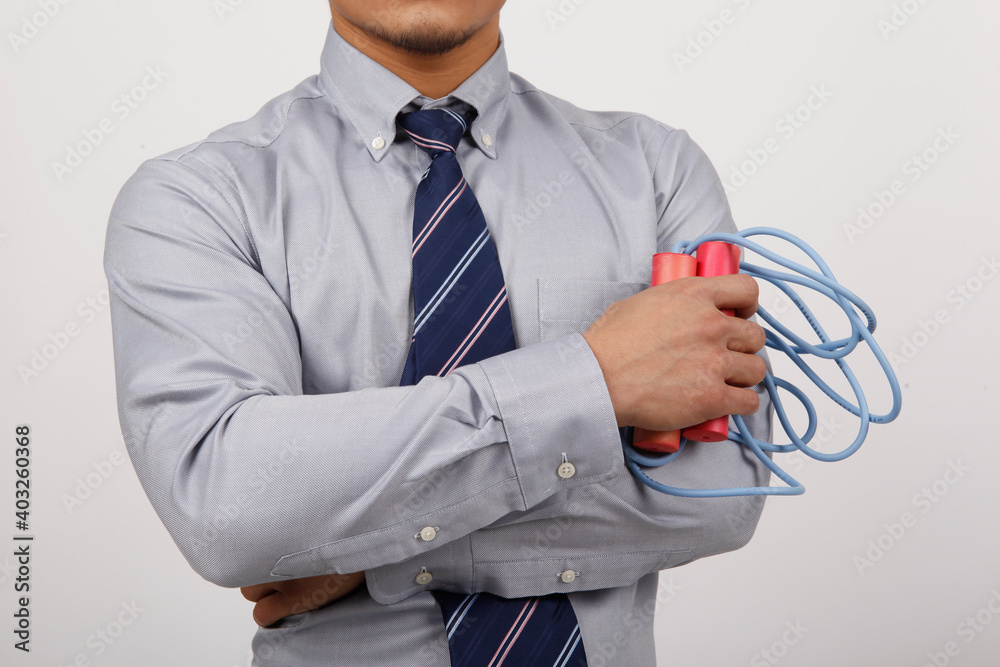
[(782, 339)]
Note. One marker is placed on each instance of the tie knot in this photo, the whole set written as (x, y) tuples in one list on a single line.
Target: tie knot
[(434, 130)]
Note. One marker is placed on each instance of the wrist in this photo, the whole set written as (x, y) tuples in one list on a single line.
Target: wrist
[(623, 416)]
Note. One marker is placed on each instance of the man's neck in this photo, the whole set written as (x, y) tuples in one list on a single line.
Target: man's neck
[(432, 75)]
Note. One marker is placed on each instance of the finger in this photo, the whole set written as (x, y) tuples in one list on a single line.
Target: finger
[(272, 609), (746, 312), (746, 370), (741, 401), (745, 336), (738, 292), (258, 591), (325, 587)]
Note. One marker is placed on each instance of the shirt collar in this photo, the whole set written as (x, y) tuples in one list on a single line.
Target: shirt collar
[(371, 96)]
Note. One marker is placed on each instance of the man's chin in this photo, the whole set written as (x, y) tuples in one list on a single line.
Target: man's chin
[(424, 40)]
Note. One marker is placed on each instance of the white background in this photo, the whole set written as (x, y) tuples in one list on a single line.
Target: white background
[(831, 563)]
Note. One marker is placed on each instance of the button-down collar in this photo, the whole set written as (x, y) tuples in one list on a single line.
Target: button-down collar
[(371, 96)]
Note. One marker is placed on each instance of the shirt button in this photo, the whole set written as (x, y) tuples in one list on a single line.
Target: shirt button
[(566, 470), (487, 140), (424, 578), (568, 577), (378, 143), (428, 534)]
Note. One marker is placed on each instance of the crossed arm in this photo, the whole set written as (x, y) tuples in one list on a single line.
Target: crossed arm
[(669, 359), (203, 405)]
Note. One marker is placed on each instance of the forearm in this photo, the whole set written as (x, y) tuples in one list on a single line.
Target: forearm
[(253, 485), (257, 481), (612, 533), (618, 530)]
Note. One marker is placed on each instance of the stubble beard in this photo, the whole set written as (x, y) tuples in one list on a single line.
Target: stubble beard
[(424, 39)]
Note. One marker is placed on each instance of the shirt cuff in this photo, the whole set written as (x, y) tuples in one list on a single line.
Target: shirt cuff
[(557, 415)]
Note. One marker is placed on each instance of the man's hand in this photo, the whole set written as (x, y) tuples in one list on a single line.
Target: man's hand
[(672, 359), (279, 599)]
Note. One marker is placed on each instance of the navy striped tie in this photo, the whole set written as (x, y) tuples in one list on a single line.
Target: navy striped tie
[(460, 317)]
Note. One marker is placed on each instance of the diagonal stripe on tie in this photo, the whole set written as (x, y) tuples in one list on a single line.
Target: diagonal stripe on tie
[(451, 279), (462, 316)]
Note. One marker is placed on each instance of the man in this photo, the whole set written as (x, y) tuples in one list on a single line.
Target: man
[(263, 311)]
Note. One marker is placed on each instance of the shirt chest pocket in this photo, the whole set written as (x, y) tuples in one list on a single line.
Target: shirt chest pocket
[(571, 306)]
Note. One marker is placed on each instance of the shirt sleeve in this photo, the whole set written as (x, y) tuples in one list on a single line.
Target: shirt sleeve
[(256, 481), (614, 532)]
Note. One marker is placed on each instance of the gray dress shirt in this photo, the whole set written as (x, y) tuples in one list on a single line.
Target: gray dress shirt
[(262, 310)]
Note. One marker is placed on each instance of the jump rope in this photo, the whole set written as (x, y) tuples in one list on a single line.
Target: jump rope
[(719, 254)]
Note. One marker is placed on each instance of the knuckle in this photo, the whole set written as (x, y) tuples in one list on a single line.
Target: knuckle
[(714, 324), (716, 362), (690, 288), (685, 284), (712, 394)]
